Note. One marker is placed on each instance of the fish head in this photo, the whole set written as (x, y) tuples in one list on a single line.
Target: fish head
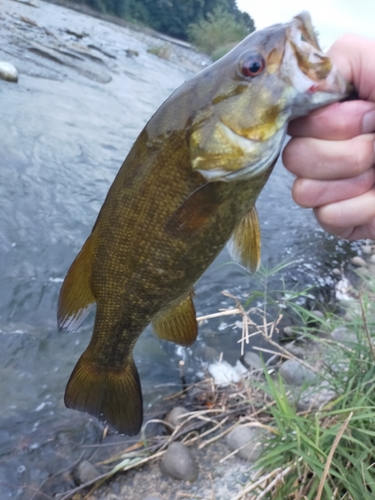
[(272, 76)]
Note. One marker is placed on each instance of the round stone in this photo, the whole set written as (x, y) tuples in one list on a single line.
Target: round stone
[(179, 463)]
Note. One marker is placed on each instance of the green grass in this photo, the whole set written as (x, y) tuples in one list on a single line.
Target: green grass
[(329, 453)]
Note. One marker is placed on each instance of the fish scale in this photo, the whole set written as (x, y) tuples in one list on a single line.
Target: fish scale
[(188, 185)]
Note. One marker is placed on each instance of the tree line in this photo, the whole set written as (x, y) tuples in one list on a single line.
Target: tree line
[(172, 17)]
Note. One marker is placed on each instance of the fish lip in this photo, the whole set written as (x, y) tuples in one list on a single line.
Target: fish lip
[(311, 69)]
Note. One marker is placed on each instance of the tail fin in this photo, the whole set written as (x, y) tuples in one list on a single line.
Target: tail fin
[(113, 397)]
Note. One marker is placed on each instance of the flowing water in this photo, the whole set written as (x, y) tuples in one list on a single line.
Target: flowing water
[(65, 128)]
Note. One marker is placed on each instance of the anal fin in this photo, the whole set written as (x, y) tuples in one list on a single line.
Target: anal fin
[(76, 297), (245, 244), (178, 324)]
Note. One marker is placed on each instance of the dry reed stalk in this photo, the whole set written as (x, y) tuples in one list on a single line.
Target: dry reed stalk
[(330, 456)]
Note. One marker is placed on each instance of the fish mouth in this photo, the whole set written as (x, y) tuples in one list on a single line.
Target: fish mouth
[(311, 70)]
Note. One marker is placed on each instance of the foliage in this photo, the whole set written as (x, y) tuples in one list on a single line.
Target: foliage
[(162, 51), (327, 453), (169, 16), (220, 29)]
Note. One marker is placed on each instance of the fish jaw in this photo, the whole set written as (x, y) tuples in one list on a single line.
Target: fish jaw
[(314, 80), (242, 130)]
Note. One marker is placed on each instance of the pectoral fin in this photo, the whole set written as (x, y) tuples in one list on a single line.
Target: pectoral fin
[(196, 210), (178, 324), (76, 297), (244, 246)]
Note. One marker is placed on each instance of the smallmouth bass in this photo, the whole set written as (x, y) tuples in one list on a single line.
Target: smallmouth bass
[(188, 185)]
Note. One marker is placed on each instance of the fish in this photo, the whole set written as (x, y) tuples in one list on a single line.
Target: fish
[(188, 186)]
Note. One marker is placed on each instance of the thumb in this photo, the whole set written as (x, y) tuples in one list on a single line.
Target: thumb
[(354, 57)]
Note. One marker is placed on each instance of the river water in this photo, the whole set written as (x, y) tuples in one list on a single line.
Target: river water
[(65, 128)]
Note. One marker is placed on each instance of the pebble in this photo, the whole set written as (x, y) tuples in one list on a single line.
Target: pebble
[(8, 72), (358, 261), (315, 398), (252, 360), (85, 472), (241, 435), (173, 417), (372, 259), (366, 249), (297, 350), (318, 314), (151, 498), (289, 331), (343, 335), (179, 463), (293, 372), (336, 272)]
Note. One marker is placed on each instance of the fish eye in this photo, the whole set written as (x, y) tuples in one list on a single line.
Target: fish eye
[(252, 65)]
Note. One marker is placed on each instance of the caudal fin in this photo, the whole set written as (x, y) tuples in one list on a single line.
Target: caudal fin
[(113, 397)]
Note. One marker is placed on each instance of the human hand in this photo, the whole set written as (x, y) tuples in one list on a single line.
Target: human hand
[(332, 150)]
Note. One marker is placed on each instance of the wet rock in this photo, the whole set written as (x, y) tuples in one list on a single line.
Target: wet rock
[(252, 361), (250, 437), (358, 261), (343, 335), (173, 417), (8, 72), (179, 463), (295, 373), (372, 259), (85, 472), (315, 398), (297, 350)]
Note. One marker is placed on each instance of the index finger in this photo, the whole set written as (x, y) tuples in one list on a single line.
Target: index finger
[(337, 122)]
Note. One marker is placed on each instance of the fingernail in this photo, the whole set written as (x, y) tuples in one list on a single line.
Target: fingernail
[(368, 122)]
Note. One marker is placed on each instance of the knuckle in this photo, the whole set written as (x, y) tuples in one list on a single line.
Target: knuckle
[(361, 155)]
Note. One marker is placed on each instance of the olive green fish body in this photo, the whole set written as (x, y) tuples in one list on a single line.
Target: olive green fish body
[(188, 185)]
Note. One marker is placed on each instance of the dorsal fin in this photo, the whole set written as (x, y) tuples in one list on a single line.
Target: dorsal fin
[(76, 297), (244, 245), (178, 324)]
